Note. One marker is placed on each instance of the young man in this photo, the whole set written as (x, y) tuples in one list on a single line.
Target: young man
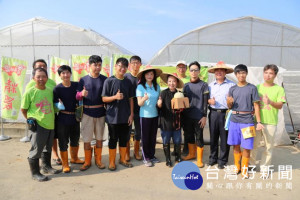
[(93, 120), (135, 64), (243, 99), (218, 91), (37, 103), (118, 95), (67, 127), (41, 63), (272, 98), (195, 116)]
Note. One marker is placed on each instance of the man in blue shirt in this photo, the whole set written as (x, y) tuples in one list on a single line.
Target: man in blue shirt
[(218, 91)]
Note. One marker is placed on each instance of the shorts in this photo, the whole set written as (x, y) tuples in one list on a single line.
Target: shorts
[(91, 125), (235, 136)]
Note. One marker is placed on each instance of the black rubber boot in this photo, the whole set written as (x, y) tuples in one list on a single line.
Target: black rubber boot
[(35, 170), (46, 164), (168, 155), (177, 149), (185, 150)]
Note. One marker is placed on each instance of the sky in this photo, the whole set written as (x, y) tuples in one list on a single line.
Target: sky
[(145, 27)]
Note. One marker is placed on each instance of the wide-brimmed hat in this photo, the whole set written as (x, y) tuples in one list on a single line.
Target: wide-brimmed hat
[(220, 65), (181, 62), (157, 71), (164, 77)]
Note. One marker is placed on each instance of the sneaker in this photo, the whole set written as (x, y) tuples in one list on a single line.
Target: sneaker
[(148, 163), (155, 160)]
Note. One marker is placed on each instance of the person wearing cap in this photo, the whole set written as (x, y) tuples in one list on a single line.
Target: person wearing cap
[(181, 68), (218, 91), (135, 63), (195, 116), (170, 118), (147, 94)]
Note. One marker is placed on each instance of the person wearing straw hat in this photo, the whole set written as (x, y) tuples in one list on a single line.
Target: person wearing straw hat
[(170, 118), (195, 116), (218, 91), (147, 94)]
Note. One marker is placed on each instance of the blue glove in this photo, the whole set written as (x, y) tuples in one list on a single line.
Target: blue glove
[(60, 106), (227, 123)]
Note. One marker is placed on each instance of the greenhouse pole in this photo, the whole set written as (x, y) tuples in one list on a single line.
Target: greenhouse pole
[(33, 45)]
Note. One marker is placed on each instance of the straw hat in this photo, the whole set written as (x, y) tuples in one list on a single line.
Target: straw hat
[(164, 77), (220, 65), (158, 72)]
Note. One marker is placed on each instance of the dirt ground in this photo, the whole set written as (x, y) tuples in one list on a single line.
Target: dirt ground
[(139, 182)]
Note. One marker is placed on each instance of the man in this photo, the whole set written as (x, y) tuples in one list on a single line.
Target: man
[(37, 105), (218, 91), (135, 64), (68, 129), (118, 95), (244, 100), (93, 120), (272, 98), (181, 68), (195, 116), (41, 63)]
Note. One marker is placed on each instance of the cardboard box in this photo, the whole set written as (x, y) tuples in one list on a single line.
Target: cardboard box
[(179, 103)]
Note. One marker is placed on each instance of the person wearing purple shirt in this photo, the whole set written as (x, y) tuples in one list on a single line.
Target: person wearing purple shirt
[(93, 120)]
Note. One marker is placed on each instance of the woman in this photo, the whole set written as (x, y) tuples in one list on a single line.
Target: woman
[(147, 94), (170, 118)]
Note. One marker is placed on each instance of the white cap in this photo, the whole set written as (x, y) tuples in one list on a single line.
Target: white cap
[(181, 62)]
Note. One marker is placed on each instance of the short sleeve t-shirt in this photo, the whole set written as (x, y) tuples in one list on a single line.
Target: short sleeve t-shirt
[(94, 86), (195, 91), (186, 79), (118, 111), (134, 81), (68, 96), (166, 112), (149, 109), (49, 84), (39, 105), (269, 114), (244, 97)]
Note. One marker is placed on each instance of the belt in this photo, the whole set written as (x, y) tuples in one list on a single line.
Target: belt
[(218, 110), (241, 112), (94, 106), (67, 112)]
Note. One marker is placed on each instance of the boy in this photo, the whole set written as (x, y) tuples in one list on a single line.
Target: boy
[(67, 127), (37, 103), (93, 118), (272, 98), (118, 95), (135, 64), (243, 99)]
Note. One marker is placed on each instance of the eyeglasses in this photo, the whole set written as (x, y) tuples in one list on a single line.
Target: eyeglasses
[(194, 70)]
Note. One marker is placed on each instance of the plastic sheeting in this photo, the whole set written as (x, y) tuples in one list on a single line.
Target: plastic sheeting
[(248, 40)]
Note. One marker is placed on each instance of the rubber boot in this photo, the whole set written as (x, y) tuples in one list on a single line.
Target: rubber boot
[(46, 164), (123, 151), (35, 170), (112, 159), (237, 161), (192, 152), (98, 157), (127, 157), (245, 162), (137, 150), (167, 154), (74, 156), (87, 160), (65, 162), (185, 150), (199, 157), (177, 149)]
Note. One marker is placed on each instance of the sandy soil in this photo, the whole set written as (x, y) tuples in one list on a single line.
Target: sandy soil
[(138, 182)]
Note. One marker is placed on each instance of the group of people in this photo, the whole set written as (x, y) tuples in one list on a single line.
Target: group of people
[(136, 98)]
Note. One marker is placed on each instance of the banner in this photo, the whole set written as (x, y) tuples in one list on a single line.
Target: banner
[(55, 63), (105, 66), (12, 79), (80, 66)]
